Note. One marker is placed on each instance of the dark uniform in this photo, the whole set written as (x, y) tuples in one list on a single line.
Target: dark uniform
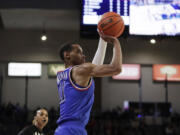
[(31, 130)]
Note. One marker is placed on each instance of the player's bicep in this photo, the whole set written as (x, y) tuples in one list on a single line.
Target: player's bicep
[(84, 69), (91, 70), (104, 70)]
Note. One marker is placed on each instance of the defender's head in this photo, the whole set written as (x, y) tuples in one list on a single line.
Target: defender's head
[(41, 118)]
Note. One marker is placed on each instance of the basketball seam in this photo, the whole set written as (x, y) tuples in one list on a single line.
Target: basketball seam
[(108, 17), (111, 25)]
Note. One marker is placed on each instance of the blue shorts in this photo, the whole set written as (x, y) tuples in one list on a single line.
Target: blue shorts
[(70, 129)]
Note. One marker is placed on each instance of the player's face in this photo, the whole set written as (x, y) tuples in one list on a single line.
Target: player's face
[(76, 55), (42, 117)]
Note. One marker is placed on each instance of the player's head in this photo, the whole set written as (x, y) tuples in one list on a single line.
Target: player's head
[(72, 54), (40, 118)]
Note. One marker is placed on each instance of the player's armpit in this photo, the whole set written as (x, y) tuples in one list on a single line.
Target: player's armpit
[(81, 74)]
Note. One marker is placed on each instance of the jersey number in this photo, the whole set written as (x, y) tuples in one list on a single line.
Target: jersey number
[(61, 92)]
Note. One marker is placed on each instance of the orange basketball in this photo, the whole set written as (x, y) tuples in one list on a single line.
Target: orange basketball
[(111, 24)]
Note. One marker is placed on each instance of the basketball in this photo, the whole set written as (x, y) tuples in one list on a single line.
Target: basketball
[(111, 24)]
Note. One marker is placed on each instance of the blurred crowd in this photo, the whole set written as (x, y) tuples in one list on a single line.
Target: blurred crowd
[(115, 122)]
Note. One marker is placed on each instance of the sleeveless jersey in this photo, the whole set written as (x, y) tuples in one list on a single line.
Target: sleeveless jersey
[(75, 101)]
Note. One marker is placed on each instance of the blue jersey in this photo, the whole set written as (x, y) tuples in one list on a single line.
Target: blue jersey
[(75, 101)]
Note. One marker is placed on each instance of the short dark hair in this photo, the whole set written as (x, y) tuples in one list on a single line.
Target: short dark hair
[(67, 47)]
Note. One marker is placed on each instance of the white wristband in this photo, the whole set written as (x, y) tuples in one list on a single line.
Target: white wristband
[(100, 53)]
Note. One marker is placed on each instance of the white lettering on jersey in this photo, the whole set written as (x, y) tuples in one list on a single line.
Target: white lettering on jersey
[(62, 76)]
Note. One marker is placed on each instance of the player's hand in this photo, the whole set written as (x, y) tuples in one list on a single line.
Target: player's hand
[(109, 39), (35, 122)]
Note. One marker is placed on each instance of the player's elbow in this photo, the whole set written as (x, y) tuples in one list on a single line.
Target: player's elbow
[(118, 70)]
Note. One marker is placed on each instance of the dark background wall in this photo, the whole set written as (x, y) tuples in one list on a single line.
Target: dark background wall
[(114, 93), (25, 45)]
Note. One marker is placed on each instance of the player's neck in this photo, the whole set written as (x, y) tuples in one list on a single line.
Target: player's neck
[(68, 64), (40, 127)]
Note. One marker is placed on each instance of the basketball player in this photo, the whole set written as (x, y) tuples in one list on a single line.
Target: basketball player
[(39, 122), (76, 85)]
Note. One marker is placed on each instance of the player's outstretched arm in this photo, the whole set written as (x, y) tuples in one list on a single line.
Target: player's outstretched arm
[(82, 73), (100, 53), (89, 69), (116, 63)]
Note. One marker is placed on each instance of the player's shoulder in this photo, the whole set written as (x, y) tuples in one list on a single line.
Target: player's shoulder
[(87, 65), (27, 130), (84, 66), (83, 69), (63, 70)]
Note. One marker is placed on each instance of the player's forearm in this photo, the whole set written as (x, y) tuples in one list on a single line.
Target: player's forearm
[(117, 56), (100, 53)]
